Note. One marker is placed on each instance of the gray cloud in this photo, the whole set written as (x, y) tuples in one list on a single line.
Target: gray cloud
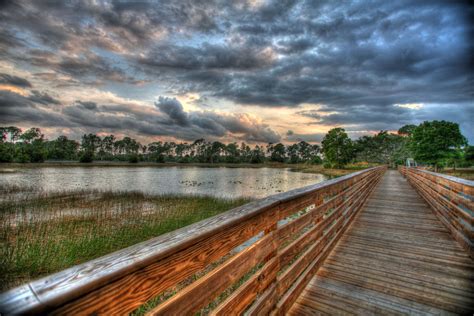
[(43, 98), (168, 119), (16, 108), (14, 81), (87, 104), (174, 110), (357, 59), (207, 56)]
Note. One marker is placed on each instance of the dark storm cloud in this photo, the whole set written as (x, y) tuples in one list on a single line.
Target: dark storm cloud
[(87, 104), (207, 56), (356, 59), (42, 98), (14, 81), (17, 108), (174, 110)]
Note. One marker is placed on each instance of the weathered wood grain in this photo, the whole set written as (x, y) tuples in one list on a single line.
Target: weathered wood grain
[(451, 199), (393, 259), (203, 291), (246, 293), (120, 282)]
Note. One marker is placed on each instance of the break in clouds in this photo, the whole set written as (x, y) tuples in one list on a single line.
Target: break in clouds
[(225, 69)]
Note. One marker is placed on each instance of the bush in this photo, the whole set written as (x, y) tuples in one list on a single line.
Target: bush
[(86, 157), (6, 152), (327, 165), (133, 159), (316, 160)]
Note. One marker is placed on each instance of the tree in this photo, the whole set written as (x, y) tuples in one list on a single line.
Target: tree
[(11, 132), (383, 147), (62, 148), (90, 142), (337, 147), (7, 149), (31, 135), (7, 152), (277, 152), (469, 155), (31, 146), (257, 155), (406, 130), (106, 149), (232, 153), (435, 142), (87, 156)]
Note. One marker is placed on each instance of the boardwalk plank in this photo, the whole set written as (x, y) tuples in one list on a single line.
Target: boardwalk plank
[(396, 258)]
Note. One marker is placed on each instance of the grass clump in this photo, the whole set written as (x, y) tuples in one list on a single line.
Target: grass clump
[(42, 233)]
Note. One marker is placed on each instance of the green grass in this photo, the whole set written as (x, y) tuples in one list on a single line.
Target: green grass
[(44, 233)]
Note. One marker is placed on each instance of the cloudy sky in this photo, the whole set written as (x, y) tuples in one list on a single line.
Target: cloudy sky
[(256, 71)]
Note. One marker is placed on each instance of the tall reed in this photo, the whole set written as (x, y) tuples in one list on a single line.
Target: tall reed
[(41, 233)]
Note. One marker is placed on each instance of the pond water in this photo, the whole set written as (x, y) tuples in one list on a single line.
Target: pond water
[(219, 182)]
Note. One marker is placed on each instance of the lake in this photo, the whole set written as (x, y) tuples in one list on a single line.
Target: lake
[(219, 182)]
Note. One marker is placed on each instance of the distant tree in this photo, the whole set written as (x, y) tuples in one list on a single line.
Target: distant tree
[(434, 142), (248, 155), (106, 148), (62, 148), (293, 153), (87, 156), (31, 146), (337, 147), (277, 152), (7, 152), (10, 133), (383, 147), (181, 152), (469, 155), (31, 135), (214, 151), (133, 158), (406, 130), (257, 155), (90, 142), (158, 151), (7, 149), (309, 153), (232, 153)]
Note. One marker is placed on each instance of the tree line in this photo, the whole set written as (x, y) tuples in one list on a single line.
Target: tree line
[(438, 143), (435, 143)]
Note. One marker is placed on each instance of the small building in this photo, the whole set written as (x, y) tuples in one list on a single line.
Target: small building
[(411, 162)]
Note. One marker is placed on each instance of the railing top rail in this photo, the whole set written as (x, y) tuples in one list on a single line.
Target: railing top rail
[(447, 177), (73, 282)]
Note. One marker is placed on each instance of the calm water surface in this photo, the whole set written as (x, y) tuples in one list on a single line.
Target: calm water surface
[(220, 182)]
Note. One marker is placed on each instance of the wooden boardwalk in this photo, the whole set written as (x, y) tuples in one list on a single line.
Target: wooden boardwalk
[(396, 258), (364, 243)]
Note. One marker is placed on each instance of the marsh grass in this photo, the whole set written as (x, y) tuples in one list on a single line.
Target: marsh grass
[(464, 173), (41, 233)]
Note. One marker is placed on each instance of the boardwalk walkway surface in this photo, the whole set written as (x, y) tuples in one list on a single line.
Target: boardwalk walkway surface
[(396, 258)]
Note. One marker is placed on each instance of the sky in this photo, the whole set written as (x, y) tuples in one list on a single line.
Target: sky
[(244, 70)]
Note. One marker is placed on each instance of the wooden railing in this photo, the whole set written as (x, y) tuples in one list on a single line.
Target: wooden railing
[(271, 247), (452, 200)]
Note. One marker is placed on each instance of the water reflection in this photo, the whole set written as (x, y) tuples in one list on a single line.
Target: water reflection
[(220, 182)]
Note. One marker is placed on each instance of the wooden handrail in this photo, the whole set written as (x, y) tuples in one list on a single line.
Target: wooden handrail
[(284, 237), (452, 200)]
